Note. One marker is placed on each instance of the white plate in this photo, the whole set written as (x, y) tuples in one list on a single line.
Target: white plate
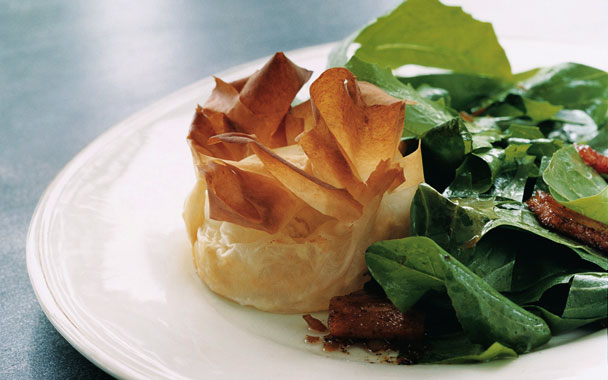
[(110, 263)]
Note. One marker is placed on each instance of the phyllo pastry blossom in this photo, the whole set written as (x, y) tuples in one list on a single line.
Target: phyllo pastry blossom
[(288, 198)]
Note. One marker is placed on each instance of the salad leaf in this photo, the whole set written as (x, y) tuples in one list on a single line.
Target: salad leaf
[(587, 296), (419, 118), (524, 75), (443, 149), (523, 131), (486, 315), (477, 172), (459, 349), (573, 86), (487, 131), (466, 90), (428, 33), (515, 104), (436, 94), (540, 148), (514, 172), (571, 126), (578, 298), (459, 226), (339, 55), (494, 172), (539, 110), (577, 185), (600, 141), (558, 324), (554, 121), (501, 260), (514, 131), (568, 301), (404, 284)]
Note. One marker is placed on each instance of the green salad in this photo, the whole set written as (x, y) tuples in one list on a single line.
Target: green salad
[(494, 281)]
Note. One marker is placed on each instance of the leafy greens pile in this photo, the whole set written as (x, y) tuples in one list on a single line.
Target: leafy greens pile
[(494, 282)]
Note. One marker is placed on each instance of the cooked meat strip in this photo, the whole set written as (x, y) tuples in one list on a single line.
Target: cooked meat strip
[(363, 315), (314, 323), (466, 116), (597, 161), (557, 217), (312, 339)]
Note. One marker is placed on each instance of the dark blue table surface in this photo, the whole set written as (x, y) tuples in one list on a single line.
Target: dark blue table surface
[(69, 70)]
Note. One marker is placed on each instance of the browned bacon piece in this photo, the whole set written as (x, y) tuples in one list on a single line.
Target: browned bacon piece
[(314, 323), (557, 217), (597, 161), (466, 116), (362, 315)]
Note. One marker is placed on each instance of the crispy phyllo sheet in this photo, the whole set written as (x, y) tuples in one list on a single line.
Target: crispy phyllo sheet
[(350, 139), (247, 198), (557, 217), (287, 197), (259, 104), (323, 197)]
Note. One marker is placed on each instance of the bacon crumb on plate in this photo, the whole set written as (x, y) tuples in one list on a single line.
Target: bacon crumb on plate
[(314, 324)]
